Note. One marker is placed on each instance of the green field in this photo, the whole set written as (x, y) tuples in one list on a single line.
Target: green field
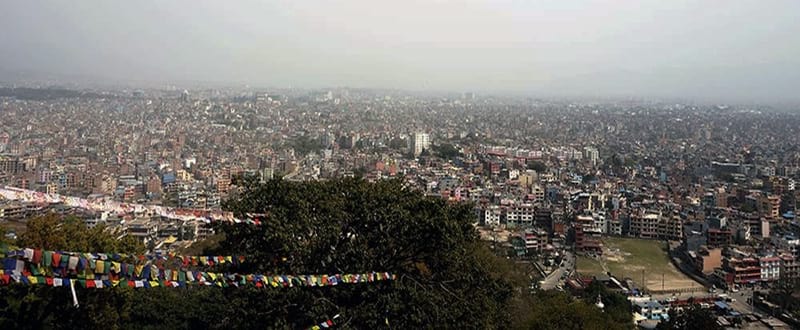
[(634, 258), (589, 266)]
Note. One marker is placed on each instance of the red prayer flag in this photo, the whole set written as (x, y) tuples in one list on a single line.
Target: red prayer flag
[(37, 256)]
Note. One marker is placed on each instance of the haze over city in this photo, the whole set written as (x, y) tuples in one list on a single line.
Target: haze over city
[(734, 51)]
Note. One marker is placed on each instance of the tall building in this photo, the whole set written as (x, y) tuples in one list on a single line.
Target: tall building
[(420, 141), (591, 154)]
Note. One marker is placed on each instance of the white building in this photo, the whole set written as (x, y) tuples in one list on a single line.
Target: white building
[(591, 154), (770, 268), (490, 216), (419, 142)]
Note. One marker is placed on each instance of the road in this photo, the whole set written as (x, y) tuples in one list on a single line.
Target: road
[(554, 278)]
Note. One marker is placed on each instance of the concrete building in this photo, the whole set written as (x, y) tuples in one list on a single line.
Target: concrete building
[(645, 225), (770, 268), (420, 142)]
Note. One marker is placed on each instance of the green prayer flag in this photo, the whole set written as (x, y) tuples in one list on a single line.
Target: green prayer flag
[(48, 258)]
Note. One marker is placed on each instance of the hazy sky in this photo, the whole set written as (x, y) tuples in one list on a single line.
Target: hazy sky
[(737, 50)]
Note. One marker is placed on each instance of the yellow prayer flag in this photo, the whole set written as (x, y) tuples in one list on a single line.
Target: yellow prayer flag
[(153, 283), (99, 269)]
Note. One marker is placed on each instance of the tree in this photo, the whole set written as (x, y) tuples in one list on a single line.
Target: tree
[(447, 151), (557, 310), (350, 225), (616, 305), (537, 166), (692, 317), (49, 307), (54, 232), (783, 293), (4, 241)]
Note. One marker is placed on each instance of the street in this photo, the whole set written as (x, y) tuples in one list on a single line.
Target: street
[(554, 278)]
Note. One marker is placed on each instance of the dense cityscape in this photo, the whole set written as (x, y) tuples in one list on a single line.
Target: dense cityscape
[(449, 164), (557, 185)]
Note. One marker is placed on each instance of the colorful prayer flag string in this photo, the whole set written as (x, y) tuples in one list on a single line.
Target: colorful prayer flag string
[(105, 204), (203, 279), (325, 325), (48, 258)]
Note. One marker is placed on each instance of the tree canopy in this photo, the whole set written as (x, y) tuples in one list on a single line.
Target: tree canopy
[(537, 166)]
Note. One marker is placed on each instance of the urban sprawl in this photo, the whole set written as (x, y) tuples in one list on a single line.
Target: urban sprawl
[(567, 187)]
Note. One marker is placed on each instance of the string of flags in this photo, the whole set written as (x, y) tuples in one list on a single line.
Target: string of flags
[(107, 204), (32, 266), (48, 258), (325, 325), (202, 279)]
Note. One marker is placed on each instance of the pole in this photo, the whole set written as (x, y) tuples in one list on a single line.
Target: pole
[(662, 281), (74, 296)]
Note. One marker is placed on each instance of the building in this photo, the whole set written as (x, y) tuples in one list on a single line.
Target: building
[(420, 142), (543, 218), (520, 215), (142, 229), (790, 267), (586, 244), (645, 225), (770, 268), (770, 206), (671, 228), (706, 260), (741, 270), (535, 240), (591, 155), (490, 216), (719, 237)]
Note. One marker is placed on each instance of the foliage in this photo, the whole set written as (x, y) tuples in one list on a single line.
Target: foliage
[(557, 310), (53, 232), (350, 226), (303, 145), (48, 307), (784, 294), (616, 306), (3, 240), (537, 166), (692, 317), (446, 151)]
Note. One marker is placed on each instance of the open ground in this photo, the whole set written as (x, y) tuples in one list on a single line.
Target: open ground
[(637, 259)]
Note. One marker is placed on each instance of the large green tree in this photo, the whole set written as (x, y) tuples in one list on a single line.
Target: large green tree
[(351, 226)]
